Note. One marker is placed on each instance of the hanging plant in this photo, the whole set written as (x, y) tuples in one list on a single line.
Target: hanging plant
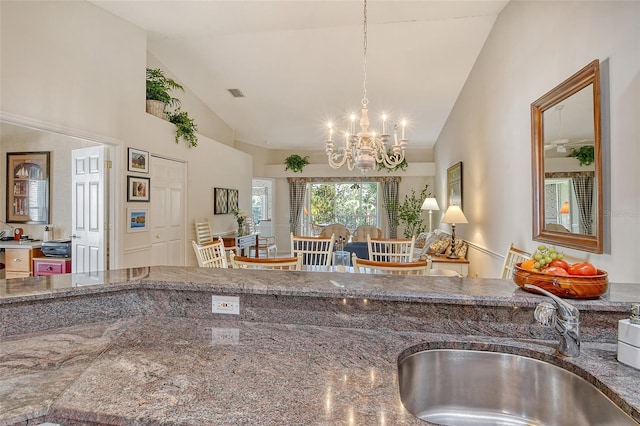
[(186, 127), (295, 162), (584, 154)]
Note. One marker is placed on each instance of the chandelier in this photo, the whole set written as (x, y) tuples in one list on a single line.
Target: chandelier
[(365, 149)]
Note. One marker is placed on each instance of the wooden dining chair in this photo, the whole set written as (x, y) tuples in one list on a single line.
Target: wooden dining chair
[(391, 250), (314, 250), (211, 255), (339, 230), (364, 266), (361, 232), (203, 232), (280, 263), (512, 257)]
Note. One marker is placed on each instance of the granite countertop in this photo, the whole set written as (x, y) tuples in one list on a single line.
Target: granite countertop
[(167, 371), (141, 346), (471, 291)]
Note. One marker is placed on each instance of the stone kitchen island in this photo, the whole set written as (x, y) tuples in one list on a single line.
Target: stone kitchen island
[(143, 347)]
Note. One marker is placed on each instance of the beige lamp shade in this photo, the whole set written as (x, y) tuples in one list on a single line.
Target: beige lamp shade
[(565, 207), (454, 215), (430, 204)]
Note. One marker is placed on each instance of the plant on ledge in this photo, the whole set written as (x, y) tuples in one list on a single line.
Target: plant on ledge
[(186, 127), (295, 162), (409, 212), (584, 154), (158, 87)]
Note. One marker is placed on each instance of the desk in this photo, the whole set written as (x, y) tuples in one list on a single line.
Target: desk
[(460, 265), (19, 257), (242, 242)]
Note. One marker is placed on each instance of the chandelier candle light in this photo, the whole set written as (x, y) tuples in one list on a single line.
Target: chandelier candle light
[(366, 148)]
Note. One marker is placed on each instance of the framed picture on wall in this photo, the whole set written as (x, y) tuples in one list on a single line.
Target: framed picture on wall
[(28, 189), (137, 220), (220, 201), (138, 161), (454, 185), (232, 195), (138, 188)]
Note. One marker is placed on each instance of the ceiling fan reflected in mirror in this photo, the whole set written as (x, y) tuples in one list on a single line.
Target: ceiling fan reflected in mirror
[(561, 144)]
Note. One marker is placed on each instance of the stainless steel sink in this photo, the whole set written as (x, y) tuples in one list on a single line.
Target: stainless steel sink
[(464, 387)]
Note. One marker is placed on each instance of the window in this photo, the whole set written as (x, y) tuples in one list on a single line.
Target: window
[(349, 203), (261, 197)]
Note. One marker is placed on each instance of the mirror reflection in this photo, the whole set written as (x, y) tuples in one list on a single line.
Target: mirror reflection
[(567, 165), (569, 177)]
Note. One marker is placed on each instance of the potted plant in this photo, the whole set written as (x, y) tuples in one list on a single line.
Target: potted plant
[(186, 127), (295, 162), (584, 154), (409, 212), (158, 97)]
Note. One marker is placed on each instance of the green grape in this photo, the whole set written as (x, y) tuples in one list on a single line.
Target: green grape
[(553, 256), (547, 260), (537, 256), (552, 250), (542, 248), (560, 256), (537, 265)]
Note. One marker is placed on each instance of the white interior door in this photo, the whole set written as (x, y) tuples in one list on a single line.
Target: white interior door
[(88, 242), (167, 211)]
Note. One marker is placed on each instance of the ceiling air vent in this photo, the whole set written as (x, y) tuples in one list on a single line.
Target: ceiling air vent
[(236, 93)]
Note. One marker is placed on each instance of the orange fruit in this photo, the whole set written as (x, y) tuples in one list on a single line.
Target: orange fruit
[(528, 264)]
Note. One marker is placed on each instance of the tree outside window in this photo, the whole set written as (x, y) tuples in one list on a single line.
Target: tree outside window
[(350, 203)]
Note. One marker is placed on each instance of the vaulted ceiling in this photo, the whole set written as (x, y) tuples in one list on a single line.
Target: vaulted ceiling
[(300, 63)]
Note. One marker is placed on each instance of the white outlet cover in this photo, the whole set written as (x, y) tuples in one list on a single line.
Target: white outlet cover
[(225, 305)]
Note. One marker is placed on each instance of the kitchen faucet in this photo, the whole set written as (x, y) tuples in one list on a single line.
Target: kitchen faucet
[(564, 318)]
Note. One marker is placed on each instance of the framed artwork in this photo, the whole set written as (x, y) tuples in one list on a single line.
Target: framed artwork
[(28, 190), (138, 161), (138, 188), (454, 185), (137, 220), (220, 197), (232, 195)]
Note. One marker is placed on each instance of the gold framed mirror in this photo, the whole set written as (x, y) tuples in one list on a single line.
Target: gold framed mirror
[(567, 163)]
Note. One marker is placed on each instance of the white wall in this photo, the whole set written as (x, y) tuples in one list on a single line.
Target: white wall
[(532, 48), (78, 67)]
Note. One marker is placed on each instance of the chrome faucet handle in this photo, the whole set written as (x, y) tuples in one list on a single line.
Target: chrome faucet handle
[(566, 310), (565, 321), (545, 314)]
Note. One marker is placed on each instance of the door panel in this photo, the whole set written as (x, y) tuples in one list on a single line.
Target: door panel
[(168, 207), (88, 206)]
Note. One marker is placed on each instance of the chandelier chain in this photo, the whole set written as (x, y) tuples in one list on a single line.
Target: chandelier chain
[(365, 101), (367, 148)]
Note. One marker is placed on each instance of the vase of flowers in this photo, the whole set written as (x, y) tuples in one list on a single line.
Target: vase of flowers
[(241, 218)]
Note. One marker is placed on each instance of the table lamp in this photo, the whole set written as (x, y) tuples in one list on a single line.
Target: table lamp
[(565, 208), (453, 215), (430, 204)]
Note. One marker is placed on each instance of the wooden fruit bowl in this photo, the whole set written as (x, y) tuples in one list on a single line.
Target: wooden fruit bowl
[(569, 287)]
